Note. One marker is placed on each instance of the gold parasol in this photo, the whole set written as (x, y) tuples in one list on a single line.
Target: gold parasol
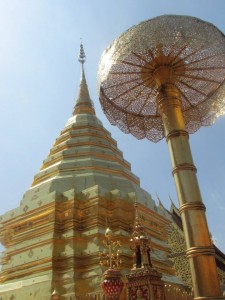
[(165, 77), (181, 50)]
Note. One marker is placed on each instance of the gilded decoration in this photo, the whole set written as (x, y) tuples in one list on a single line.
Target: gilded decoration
[(221, 275), (144, 281), (177, 245)]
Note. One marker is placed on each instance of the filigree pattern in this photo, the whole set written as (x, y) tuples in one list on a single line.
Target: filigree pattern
[(181, 50), (141, 292), (221, 275), (178, 247)]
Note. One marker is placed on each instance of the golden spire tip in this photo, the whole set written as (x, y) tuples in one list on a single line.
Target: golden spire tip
[(82, 56)]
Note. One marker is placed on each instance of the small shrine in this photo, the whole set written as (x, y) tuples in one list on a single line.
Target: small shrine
[(144, 281)]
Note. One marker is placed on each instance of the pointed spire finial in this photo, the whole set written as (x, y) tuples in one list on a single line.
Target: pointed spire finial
[(173, 206), (159, 201), (138, 228), (82, 56), (171, 200), (83, 103)]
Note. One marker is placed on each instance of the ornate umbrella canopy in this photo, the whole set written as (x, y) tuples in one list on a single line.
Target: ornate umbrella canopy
[(179, 50)]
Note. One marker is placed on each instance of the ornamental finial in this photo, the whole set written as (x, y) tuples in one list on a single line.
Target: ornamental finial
[(82, 56), (111, 255)]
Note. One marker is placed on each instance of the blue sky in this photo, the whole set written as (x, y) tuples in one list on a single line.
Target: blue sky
[(39, 78)]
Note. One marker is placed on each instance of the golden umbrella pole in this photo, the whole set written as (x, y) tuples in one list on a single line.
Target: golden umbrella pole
[(199, 246)]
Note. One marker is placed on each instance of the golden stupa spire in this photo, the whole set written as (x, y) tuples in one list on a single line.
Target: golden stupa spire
[(83, 104)]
